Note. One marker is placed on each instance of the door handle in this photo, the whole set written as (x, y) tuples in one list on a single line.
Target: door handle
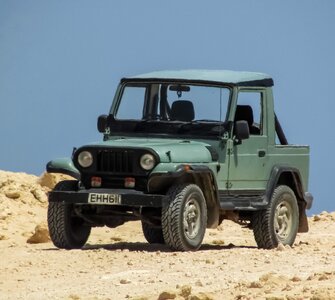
[(261, 153)]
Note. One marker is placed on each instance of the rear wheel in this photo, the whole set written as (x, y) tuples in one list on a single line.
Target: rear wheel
[(153, 234), (279, 222), (67, 230), (184, 217)]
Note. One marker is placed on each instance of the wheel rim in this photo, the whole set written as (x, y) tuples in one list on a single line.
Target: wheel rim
[(283, 220), (191, 218)]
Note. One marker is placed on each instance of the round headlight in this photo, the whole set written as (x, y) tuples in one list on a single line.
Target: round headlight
[(147, 161), (85, 159)]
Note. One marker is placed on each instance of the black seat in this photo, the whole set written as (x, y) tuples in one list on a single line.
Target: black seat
[(245, 113), (182, 110)]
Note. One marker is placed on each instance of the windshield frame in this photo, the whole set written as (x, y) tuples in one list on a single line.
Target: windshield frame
[(145, 83)]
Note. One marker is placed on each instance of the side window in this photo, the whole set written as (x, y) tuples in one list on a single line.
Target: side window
[(249, 108), (132, 103)]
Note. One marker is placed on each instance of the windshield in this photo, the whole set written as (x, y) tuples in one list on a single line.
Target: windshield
[(171, 108)]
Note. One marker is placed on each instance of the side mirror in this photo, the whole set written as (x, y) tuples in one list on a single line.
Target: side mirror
[(241, 131), (102, 123)]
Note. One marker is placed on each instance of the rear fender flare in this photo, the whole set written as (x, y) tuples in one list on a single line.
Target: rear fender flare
[(275, 177), (291, 177)]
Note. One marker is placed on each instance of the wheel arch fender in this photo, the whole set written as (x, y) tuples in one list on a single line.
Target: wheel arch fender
[(200, 175), (290, 176), (63, 166)]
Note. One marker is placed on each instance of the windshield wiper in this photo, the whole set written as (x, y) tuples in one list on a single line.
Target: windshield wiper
[(195, 124)]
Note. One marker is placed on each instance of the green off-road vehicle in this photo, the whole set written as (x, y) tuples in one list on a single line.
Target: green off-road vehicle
[(182, 151)]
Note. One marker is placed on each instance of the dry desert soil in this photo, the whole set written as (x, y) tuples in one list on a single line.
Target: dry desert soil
[(119, 264)]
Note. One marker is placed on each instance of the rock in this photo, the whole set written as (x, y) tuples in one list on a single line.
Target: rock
[(218, 242), (323, 277), (116, 239), (166, 295), (201, 296), (41, 235), (295, 279), (39, 195), (281, 247), (3, 237), (272, 297), (198, 283), (272, 279), (12, 194), (255, 285), (49, 180), (125, 281), (185, 291)]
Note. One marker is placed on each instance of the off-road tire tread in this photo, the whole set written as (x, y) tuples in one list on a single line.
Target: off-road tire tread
[(171, 230), (260, 224), (57, 222), (169, 216)]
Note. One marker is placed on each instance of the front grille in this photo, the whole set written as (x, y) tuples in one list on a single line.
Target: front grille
[(116, 161)]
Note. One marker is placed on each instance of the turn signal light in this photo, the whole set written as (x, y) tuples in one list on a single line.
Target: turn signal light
[(96, 181), (129, 182)]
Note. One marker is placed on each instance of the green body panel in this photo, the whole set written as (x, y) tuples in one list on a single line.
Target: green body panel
[(294, 157), (169, 150), (180, 151), (249, 171), (238, 167), (63, 165)]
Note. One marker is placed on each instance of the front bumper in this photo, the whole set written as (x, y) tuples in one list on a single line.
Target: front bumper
[(112, 197)]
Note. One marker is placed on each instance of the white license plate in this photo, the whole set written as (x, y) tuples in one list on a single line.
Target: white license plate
[(104, 199)]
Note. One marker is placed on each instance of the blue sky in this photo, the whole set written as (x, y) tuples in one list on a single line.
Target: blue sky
[(60, 62)]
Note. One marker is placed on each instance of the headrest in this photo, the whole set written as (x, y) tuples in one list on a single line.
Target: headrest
[(182, 110), (244, 112)]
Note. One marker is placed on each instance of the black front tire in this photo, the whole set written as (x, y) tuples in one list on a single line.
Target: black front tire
[(184, 217), (67, 231), (279, 222), (153, 234)]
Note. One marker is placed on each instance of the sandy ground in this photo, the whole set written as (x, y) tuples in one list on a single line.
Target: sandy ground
[(119, 264)]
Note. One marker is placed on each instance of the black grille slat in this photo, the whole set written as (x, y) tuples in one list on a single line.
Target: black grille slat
[(118, 162), (115, 161), (125, 160)]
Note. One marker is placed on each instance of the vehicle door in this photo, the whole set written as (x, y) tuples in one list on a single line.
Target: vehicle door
[(248, 159)]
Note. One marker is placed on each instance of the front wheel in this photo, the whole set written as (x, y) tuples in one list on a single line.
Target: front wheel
[(67, 231), (184, 217), (279, 222)]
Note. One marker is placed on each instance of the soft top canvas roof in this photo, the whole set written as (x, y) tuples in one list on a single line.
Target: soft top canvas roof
[(239, 78)]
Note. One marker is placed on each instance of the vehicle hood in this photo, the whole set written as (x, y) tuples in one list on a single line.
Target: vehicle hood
[(176, 150)]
